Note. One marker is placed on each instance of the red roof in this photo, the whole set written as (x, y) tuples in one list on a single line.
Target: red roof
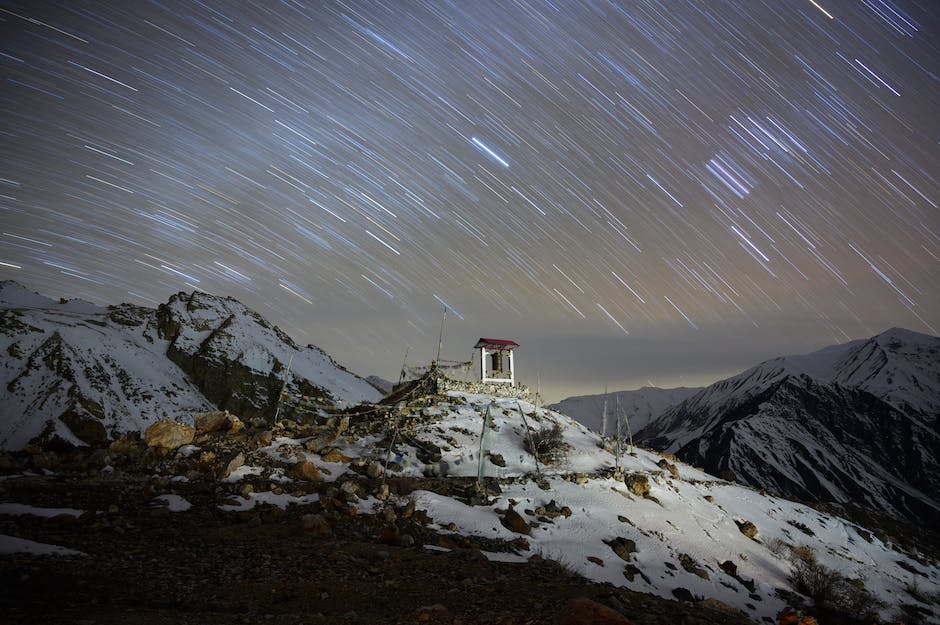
[(496, 343)]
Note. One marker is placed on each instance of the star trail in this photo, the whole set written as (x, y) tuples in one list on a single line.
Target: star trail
[(636, 192)]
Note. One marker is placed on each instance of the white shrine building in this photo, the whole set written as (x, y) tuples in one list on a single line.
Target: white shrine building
[(496, 360)]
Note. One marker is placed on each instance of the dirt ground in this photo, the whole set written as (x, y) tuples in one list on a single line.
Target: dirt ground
[(150, 566)]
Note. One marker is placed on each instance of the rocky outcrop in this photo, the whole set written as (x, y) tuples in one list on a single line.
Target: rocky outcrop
[(75, 373), (169, 435)]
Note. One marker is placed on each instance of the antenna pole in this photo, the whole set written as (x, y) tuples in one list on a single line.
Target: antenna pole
[(401, 376), (604, 415), (277, 410), (619, 433), (440, 341)]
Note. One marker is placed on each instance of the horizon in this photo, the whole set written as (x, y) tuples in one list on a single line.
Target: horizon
[(554, 392), (638, 194)]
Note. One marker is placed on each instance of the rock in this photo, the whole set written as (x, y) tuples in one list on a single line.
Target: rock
[(497, 459), (721, 606), (595, 560), (233, 464), (551, 510), (305, 470), (638, 484), (708, 498), (690, 565), (217, 420), (128, 446), (316, 525), (583, 611), (169, 435), (246, 489), (262, 438), (623, 547), (729, 567), (333, 455), (381, 493), (389, 535), (350, 491), (514, 522), (747, 528), (668, 466), (631, 571), (374, 470), (683, 594)]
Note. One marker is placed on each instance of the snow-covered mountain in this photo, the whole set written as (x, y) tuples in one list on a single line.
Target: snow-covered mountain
[(82, 372), (640, 407), (858, 422)]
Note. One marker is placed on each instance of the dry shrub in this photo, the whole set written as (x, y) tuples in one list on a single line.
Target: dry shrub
[(548, 444)]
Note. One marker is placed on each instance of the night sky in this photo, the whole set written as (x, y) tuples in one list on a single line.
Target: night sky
[(636, 192)]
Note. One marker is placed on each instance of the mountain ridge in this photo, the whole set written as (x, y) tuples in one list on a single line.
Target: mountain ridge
[(81, 373), (830, 415)]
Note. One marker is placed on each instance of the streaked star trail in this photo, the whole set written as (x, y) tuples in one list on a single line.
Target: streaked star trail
[(636, 192)]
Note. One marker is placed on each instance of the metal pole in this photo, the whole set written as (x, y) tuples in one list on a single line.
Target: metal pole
[(528, 432), (277, 410), (440, 341), (619, 431), (401, 376), (486, 423)]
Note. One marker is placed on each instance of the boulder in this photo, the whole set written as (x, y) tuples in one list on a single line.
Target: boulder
[(237, 461), (747, 528), (690, 565), (217, 420), (305, 470), (333, 455), (316, 524), (638, 484), (623, 547), (128, 446), (583, 611), (683, 594), (668, 466), (514, 522), (169, 435)]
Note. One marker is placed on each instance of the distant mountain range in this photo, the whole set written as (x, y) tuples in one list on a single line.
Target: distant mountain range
[(640, 407), (82, 373), (858, 422)]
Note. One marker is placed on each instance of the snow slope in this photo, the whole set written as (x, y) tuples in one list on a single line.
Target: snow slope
[(682, 531), (83, 373)]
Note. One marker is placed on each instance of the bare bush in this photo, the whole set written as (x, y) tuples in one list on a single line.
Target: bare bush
[(548, 444), (814, 580), (828, 588), (777, 546)]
